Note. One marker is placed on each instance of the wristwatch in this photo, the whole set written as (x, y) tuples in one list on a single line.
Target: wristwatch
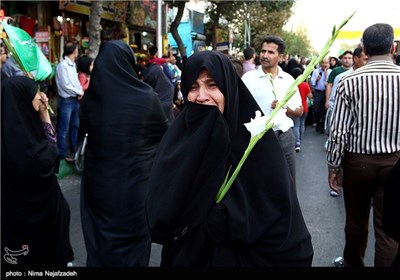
[(333, 169)]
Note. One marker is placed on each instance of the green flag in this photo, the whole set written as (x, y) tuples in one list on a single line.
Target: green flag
[(26, 52)]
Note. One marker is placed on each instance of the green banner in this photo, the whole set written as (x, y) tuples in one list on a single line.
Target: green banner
[(27, 53)]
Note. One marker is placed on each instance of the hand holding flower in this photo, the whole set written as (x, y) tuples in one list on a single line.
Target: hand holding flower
[(274, 103)]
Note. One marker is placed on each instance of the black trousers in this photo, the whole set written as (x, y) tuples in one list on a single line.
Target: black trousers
[(364, 178), (319, 109)]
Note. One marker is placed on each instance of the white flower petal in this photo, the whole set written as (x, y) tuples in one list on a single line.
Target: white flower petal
[(256, 125)]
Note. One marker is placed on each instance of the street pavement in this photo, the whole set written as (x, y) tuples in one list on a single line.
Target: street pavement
[(324, 215)]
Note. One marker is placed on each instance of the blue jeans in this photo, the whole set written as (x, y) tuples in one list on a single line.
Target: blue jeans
[(68, 121), (298, 128)]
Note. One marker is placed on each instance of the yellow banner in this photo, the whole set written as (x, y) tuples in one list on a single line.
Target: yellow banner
[(358, 34)]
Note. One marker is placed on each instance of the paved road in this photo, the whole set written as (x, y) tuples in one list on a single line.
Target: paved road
[(324, 215)]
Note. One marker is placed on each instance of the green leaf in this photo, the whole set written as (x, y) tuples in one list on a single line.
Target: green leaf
[(224, 183)]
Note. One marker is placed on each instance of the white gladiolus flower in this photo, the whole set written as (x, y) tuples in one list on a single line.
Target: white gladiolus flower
[(256, 125)]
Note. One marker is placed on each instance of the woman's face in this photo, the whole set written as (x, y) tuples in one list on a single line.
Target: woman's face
[(205, 91)]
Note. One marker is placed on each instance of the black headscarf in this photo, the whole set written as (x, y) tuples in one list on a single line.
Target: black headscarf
[(125, 122), (34, 211), (113, 83), (158, 80), (259, 222), (23, 127)]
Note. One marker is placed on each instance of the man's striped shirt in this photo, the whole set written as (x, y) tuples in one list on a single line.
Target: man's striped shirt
[(366, 118)]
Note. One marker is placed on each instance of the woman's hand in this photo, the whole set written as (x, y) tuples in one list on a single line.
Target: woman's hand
[(43, 103)]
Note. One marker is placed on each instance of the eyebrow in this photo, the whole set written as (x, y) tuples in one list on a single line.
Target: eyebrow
[(207, 80)]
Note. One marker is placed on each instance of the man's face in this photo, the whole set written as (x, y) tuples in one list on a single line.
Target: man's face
[(347, 60), (76, 53), (360, 61), (325, 63), (269, 55)]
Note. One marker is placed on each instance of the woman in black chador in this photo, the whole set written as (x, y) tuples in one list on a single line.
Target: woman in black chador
[(125, 122), (34, 214), (259, 222), (156, 78)]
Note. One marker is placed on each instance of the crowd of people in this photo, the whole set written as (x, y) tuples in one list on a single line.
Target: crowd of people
[(162, 139)]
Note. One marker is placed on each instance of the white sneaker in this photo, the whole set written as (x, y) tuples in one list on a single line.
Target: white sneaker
[(338, 262), (297, 148), (334, 193)]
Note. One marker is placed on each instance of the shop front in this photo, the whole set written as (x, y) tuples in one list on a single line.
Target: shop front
[(74, 21), (53, 23), (142, 25)]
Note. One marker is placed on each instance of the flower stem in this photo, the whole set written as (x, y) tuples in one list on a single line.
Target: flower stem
[(269, 123), (225, 188)]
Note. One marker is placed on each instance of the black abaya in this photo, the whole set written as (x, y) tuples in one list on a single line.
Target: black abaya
[(259, 222), (34, 212), (158, 80), (125, 122)]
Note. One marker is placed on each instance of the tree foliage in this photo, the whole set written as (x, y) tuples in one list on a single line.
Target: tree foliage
[(218, 11), (266, 17), (297, 43)]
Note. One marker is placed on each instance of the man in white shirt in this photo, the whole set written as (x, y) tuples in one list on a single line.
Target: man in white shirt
[(268, 90), (69, 93)]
